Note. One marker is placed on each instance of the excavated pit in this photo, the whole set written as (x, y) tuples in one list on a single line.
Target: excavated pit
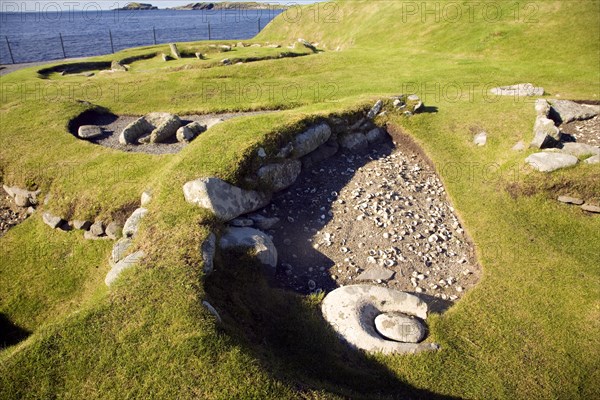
[(384, 212), (112, 125)]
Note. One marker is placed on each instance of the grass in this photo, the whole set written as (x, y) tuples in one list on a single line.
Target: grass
[(528, 330)]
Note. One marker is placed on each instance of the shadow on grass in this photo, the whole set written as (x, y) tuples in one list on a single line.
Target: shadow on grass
[(11, 334), (288, 335)]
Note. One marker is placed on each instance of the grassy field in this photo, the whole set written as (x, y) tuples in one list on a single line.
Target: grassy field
[(529, 329)]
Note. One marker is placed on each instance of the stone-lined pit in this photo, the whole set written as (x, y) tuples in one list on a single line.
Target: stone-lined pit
[(111, 126), (380, 217)]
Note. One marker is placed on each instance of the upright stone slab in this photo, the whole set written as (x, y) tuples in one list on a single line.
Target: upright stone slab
[(310, 140), (546, 134), (223, 199), (279, 176), (174, 51), (251, 239)]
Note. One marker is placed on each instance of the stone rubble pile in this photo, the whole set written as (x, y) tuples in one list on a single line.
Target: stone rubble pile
[(556, 152)]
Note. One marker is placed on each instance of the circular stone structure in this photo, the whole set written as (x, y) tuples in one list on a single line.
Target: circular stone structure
[(352, 311)]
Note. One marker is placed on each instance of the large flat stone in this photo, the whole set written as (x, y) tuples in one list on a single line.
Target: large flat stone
[(223, 199), (376, 273), (520, 90), (565, 111), (250, 239), (548, 162), (351, 311)]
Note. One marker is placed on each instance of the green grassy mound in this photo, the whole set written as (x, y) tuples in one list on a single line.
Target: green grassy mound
[(528, 330)]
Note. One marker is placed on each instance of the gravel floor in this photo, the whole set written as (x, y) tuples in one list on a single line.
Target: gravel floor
[(587, 131), (385, 210)]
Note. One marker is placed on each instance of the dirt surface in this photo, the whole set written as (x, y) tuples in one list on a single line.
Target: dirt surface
[(10, 214), (587, 131), (113, 126), (384, 209)]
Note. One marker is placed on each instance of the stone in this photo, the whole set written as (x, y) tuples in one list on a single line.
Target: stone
[(308, 45), (565, 111), (323, 152), (250, 239), (132, 225), (22, 197), (166, 126), (542, 107), (548, 162), (97, 228), (351, 311), (224, 48), (241, 222), (184, 134), (580, 149), (89, 132), (199, 56), (208, 249), (375, 109), (400, 327), (223, 199), (134, 131), (591, 208), (51, 220), (418, 104), (146, 198), (480, 139), (376, 135), (113, 230), (190, 131), (592, 160), (120, 249), (276, 177), (546, 134), (570, 200), (212, 310), (165, 57), (87, 235), (124, 264), (160, 127), (82, 225), (263, 223), (310, 140), (376, 273), (520, 146), (520, 90), (21, 200), (174, 51), (226, 61), (116, 66), (355, 142)]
